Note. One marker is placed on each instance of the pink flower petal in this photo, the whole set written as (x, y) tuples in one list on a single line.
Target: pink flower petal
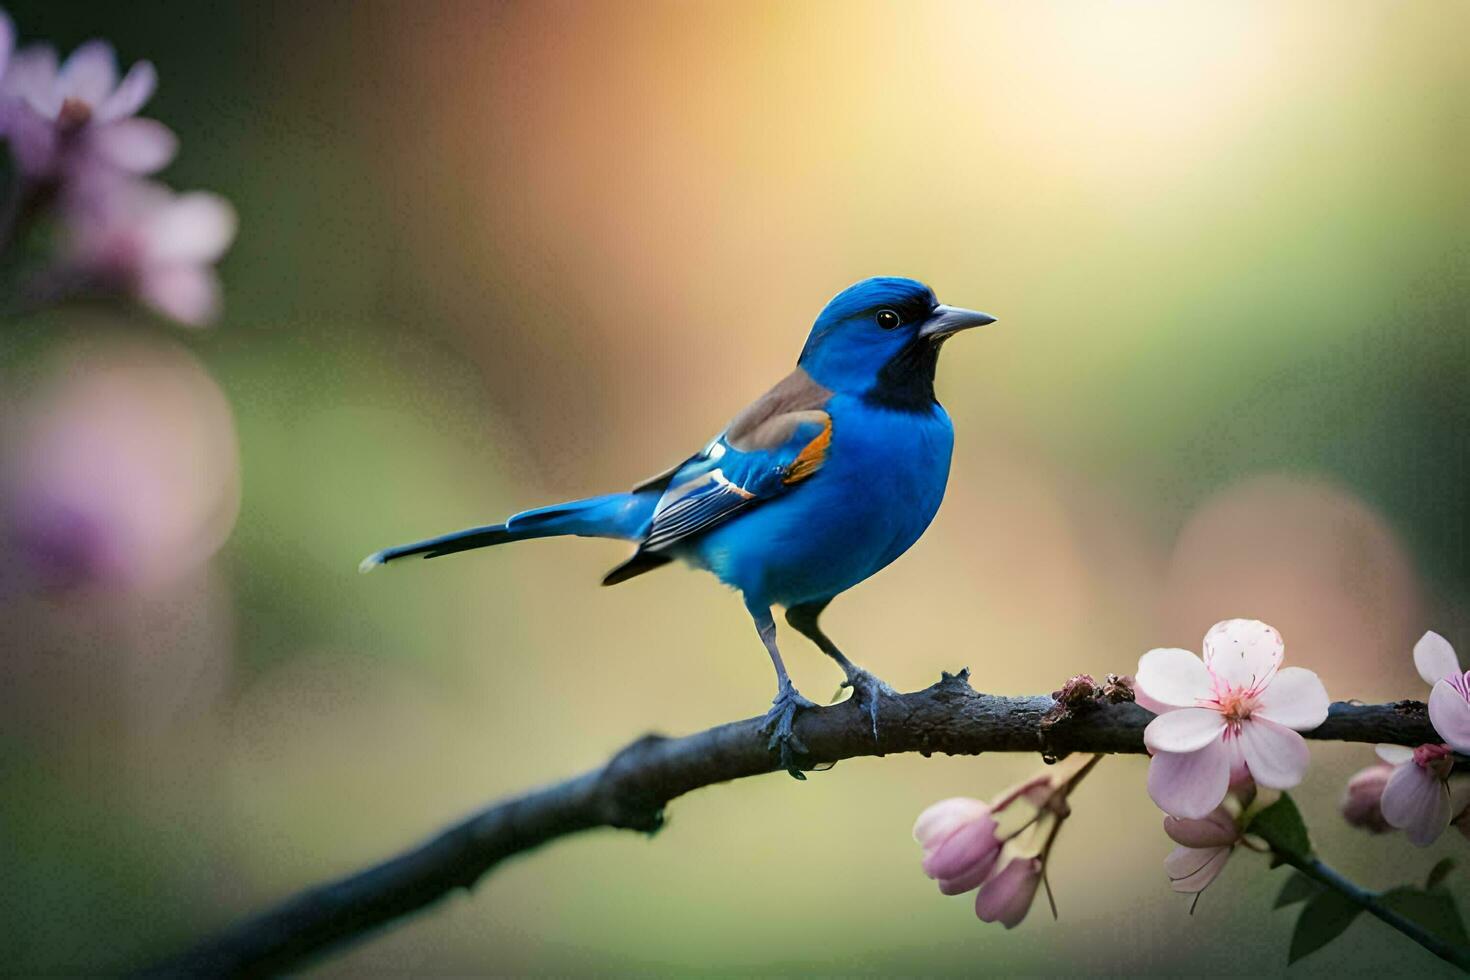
[(1006, 898), (33, 141), (941, 819), (1434, 658), (32, 78), (1243, 652), (1191, 870), (1184, 730), (1449, 712), (1276, 756), (1190, 784), (1216, 830), (970, 878), (186, 293), (135, 89), (139, 146), (1171, 677), (969, 847), (1417, 802), (194, 227), (89, 74), (1294, 698), (1394, 754), (1157, 707), (1240, 773)]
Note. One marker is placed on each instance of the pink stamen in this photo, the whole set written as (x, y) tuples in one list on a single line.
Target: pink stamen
[(1235, 704)]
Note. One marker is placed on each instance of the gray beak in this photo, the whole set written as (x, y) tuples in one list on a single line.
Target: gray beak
[(947, 320)]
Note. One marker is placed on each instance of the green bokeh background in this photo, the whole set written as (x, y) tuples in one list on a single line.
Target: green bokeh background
[(496, 255)]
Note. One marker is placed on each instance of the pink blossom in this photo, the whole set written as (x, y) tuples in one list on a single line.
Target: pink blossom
[(1416, 798), (1449, 697), (1362, 802), (1236, 713), (140, 237), (73, 114), (960, 843), (1204, 847), (1006, 898)]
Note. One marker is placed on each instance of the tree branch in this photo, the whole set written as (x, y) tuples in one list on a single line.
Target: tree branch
[(631, 790)]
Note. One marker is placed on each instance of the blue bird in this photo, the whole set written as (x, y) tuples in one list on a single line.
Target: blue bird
[(820, 483)]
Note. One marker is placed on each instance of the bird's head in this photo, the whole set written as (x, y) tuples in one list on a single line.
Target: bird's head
[(880, 339)]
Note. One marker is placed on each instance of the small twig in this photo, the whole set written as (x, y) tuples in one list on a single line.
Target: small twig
[(631, 790), (1371, 903)]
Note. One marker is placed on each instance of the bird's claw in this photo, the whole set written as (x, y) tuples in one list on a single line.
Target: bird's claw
[(866, 692), (778, 722)]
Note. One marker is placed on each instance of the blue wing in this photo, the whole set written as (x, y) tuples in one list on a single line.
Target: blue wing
[(723, 480), (779, 440)]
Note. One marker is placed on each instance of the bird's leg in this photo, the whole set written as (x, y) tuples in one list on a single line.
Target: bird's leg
[(866, 689), (788, 700)]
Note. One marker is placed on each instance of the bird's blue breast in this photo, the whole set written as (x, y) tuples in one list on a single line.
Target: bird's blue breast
[(878, 489)]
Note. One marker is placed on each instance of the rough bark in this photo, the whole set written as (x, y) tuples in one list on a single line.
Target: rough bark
[(631, 790)]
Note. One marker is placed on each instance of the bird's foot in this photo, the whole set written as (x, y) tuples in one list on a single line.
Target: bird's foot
[(778, 721), (866, 692)]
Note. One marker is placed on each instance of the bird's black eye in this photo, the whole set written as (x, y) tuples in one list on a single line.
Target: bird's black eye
[(887, 319)]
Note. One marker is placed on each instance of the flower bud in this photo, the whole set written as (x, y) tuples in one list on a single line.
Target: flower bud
[(1362, 803), (960, 843), (965, 858), (1006, 898)]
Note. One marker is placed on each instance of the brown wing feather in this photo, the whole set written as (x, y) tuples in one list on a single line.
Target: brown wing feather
[(769, 422), (796, 392)]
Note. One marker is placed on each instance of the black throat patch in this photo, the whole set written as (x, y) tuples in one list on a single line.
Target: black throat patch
[(906, 382)]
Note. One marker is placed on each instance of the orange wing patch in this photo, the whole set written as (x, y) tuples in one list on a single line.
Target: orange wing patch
[(811, 457)]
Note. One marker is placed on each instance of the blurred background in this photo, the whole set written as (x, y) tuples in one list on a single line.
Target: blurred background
[(494, 255)]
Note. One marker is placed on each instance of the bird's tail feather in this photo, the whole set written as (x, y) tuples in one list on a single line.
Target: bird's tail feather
[(618, 515)]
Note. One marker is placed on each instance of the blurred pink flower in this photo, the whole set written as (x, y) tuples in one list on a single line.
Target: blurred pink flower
[(76, 114), (140, 237), (1449, 697), (1362, 802), (1007, 897), (960, 843), (122, 471), (1235, 712), (1204, 847), (1416, 798)]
